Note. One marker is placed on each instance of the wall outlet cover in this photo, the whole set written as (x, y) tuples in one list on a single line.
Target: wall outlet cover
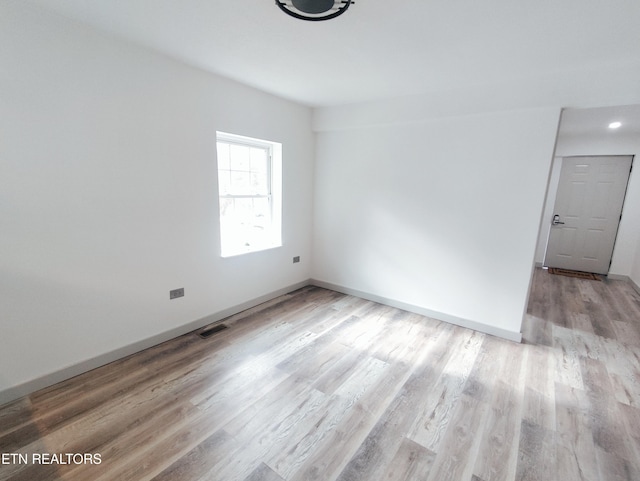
[(175, 293)]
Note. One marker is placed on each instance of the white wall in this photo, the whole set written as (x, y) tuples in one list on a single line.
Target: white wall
[(440, 215), (452, 234), (628, 239), (108, 196)]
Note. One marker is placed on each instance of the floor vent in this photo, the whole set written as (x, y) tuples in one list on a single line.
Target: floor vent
[(577, 274), (210, 331)]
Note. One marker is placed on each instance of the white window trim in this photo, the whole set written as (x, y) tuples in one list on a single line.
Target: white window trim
[(274, 180)]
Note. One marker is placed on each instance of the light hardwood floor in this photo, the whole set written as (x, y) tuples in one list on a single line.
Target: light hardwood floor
[(317, 385)]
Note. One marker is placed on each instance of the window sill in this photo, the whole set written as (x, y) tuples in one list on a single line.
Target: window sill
[(247, 250)]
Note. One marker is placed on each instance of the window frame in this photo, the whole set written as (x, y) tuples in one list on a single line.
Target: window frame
[(273, 234)]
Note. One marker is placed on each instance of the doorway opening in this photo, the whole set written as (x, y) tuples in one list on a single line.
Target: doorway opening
[(586, 133)]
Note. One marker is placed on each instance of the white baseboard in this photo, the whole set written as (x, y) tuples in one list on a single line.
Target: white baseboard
[(440, 316), (618, 277), (52, 378)]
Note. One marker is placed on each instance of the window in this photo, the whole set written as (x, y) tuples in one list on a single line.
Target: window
[(249, 185)]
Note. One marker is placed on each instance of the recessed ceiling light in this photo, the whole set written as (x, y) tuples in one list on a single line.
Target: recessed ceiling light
[(615, 125)]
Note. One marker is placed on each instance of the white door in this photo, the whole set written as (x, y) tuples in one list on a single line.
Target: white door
[(587, 212)]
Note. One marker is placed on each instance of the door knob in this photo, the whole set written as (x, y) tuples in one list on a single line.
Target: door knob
[(556, 220)]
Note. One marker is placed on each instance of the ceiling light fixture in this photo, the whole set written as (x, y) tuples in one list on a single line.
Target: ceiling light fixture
[(314, 10), (615, 125)]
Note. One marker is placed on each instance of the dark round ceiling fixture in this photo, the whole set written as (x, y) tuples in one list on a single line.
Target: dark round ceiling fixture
[(314, 10)]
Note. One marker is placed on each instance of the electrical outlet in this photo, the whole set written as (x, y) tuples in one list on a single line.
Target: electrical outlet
[(296, 259), (176, 293)]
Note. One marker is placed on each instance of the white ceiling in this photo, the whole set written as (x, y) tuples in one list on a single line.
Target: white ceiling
[(594, 122), (378, 48)]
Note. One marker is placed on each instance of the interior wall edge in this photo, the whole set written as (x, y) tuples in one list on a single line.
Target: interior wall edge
[(29, 387), (439, 316)]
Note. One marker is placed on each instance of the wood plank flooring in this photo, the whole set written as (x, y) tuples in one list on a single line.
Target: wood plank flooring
[(317, 385)]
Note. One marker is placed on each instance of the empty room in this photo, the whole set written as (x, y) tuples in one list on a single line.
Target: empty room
[(319, 240)]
